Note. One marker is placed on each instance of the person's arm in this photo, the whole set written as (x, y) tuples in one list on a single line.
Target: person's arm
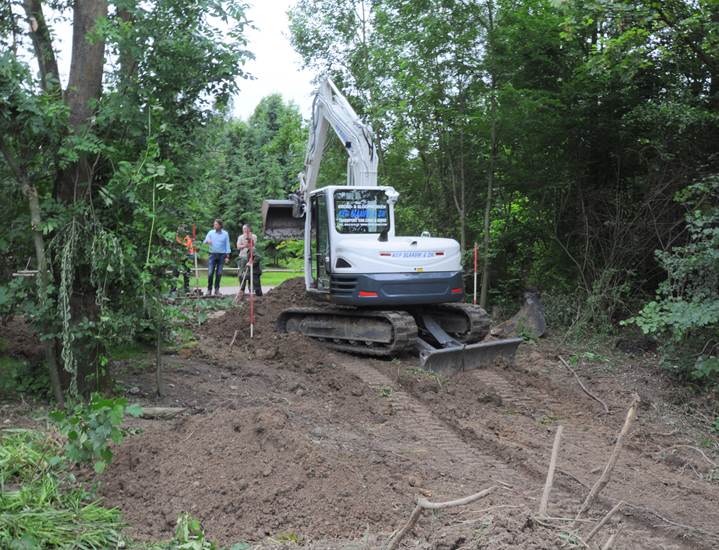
[(227, 244), (208, 238)]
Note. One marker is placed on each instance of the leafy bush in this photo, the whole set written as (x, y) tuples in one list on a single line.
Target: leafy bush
[(89, 428), (686, 308), (17, 376)]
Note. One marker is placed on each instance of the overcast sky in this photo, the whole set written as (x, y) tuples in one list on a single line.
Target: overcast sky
[(276, 67)]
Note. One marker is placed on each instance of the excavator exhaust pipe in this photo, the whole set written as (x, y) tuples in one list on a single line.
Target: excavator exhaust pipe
[(283, 219), (453, 359)]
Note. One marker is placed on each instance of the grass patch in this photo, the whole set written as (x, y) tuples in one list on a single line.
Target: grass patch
[(42, 507), (130, 351), (269, 278), (39, 508)]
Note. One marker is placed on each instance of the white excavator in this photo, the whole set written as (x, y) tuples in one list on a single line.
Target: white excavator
[(383, 294)]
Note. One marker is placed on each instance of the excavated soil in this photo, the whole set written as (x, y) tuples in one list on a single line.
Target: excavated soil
[(282, 438)]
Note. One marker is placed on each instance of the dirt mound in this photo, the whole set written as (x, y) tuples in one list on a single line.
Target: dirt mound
[(267, 343), (246, 475)]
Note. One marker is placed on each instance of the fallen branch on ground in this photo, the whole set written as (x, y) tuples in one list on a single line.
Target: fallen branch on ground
[(611, 539), (603, 521), (609, 468), (161, 412), (590, 394), (709, 460), (424, 504), (234, 338), (550, 473)]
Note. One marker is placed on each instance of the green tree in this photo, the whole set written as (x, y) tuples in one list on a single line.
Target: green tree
[(111, 170)]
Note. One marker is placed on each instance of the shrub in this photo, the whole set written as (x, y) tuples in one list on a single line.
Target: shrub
[(89, 428), (685, 311)]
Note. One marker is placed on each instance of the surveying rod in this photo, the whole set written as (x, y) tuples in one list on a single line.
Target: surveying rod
[(252, 287), (194, 250)]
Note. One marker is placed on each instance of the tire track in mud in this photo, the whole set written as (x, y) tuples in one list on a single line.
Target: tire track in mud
[(532, 398), (475, 454), (416, 418)]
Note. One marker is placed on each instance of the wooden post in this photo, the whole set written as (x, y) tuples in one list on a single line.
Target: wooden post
[(550, 473)]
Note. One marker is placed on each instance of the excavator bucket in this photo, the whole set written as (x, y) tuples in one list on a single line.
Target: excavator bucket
[(451, 360), (279, 221)]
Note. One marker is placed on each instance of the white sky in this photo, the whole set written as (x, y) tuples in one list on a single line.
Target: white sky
[(276, 67)]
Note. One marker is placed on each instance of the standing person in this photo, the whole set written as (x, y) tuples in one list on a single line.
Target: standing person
[(243, 245), (219, 242), (186, 260)]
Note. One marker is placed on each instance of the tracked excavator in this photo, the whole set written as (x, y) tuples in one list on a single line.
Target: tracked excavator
[(379, 294)]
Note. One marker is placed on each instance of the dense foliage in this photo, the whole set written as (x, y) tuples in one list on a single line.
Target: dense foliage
[(556, 134), (109, 167)]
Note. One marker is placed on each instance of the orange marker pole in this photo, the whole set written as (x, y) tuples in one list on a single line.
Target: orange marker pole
[(474, 298)]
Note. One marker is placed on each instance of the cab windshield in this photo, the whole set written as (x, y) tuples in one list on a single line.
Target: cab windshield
[(361, 211)]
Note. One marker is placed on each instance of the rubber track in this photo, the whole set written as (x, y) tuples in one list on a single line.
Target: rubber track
[(479, 321), (404, 330)]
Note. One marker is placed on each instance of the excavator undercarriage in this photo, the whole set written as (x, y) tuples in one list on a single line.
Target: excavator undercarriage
[(448, 337)]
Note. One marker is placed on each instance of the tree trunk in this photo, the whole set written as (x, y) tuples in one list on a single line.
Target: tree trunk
[(42, 44), (486, 241), (74, 183), (43, 276), (83, 90)]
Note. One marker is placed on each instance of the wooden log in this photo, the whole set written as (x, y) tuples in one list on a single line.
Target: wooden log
[(156, 413)]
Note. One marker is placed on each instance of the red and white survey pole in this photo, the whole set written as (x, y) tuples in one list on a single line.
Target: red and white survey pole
[(194, 250), (474, 298), (252, 288)]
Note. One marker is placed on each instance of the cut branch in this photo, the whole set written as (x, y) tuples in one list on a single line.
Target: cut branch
[(550, 473), (609, 468), (42, 44), (423, 504), (603, 521), (590, 394)]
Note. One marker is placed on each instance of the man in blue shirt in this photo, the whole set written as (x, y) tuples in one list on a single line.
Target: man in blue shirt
[(219, 242)]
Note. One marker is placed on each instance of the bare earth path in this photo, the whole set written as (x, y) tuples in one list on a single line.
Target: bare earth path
[(284, 439)]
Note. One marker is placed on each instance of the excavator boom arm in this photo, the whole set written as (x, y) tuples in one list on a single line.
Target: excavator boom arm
[(331, 109)]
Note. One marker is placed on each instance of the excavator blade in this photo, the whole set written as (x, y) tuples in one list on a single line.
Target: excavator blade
[(451, 360), (279, 221)]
